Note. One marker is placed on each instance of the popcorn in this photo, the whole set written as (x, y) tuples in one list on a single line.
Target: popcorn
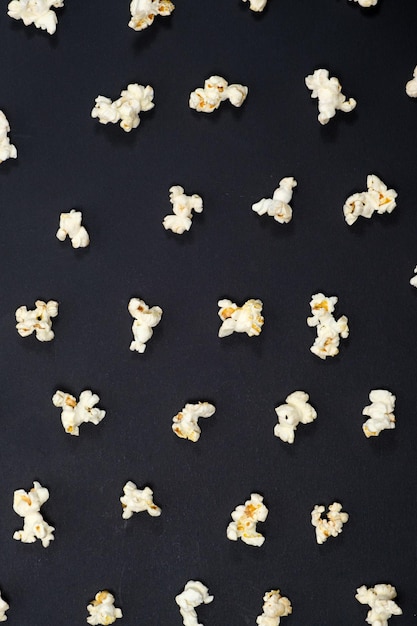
[(295, 411), (256, 5), (380, 412), (330, 527), (329, 330), (411, 86), (413, 280), (7, 149), (245, 517), (328, 92), (70, 225), (38, 320), (182, 207), (245, 319), (137, 500), (36, 12), (381, 601), (133, 100), (275, 606), (145, 320), (216, 90), (76, 413), (144, 12), (378, 198), (366, 3), (278, 206), (28, 505), (185, 422), (194, 594), (102, 609), (3, 608)]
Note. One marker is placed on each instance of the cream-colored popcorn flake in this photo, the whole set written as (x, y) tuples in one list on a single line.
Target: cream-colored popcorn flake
[(245, 517), (296, 410), (70, 226), (3, 608), (75, 413), (275, 606), (215, 91), (145, 319), (102, 610), (28, 506), (413, 280), (329, 330), (256, 5), (380, 599), (137, 500), (133, 100), (39, 320), (366, 3), (380, 412), (378, 199), (332, 525), (144, 12), (185, 423), (194, 594), (411, 86), (278, 206), (240, 319), (328, 92), (38, 12), (7, 149), (182, 207)]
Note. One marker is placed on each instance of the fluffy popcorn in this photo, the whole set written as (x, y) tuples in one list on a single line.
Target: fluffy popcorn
[(380, 412), (381, 602), (144, 12), (329, 330), (328, 92), (216, 90), (413, 280), (296, 411), (38, 321), (194, 594), (278, 206), (256, 5), (102, 609), (145, 319), (3, 608), (28, 506), (70, 226), (7, 149), (36, 12), (185, 423), (245, 319), (411, 86), (137, 500), (366, 3), (182, 207), (133, 100), (330, 527), (275, 606), (245, 517), (378, 199), (75, 413)]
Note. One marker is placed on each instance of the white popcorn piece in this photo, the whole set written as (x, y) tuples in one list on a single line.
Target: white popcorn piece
[(75, 413), (137, 500), (133, 100), (411, 86), (330, 527), (328, 92), (185, 423), (38, 320), (366, 3), (245, 319), (182, 207), (144, 12), (380, 412), (36, 12), (278, 206), (275, 606), (329, 330), (296, 411), (194, 594), (70, 226), (256, 5), (28, 506), (381, 602), (216, 90), (413, 280), (3, 608), (7, 149), (102, 609), (145, 319), (245, 517), (377, 199)]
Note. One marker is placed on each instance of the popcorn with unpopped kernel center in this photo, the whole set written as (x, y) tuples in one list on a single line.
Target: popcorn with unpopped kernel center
[(145, 319), (275, 606), (70, 226), (102, 610), (245, 517), (296, 410), (182, 207), (75, 413), (28, 506), (328, 92), (36, 12), (194, 594), (278, 206), (330, 527), (3, 608), (137, 500), (7, 149), (256, 5), (215, 91), (38, 320), (185, 423), (381, 602), (144, 12), (329, 330), (133, 100), (240, 319), (380, 412), (378, 199)]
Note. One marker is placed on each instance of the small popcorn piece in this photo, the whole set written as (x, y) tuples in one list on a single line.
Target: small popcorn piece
[(28, 506), (411, 86), (328, 92), (182, 207), (296, 411), (102, 609), (38, 321), (144, 12), (216, 90), (245, 319), (256, 5), (70, 226), (185, 423), (275, 606), (380, 412), (377, 199), (36, 12), (330, 527), (145, 319), (137, 500), (366, 3), (7, 149), (133, 100), (413, 280), (245, 517), (381, 601), (278, 206), (194, 594), (76, 413), (3, 608), (329, 330)]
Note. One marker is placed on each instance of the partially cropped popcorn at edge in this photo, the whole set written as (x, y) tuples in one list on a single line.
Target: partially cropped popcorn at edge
[(145, 319), (240, 319), (36, 12), (245, 517), (256, 5), (70, 226), (144, 12), (39, 320), (75, 413), (275, 606), (296, 410), (3, 608), (215, 91), (133, 100), (332, 525), (28, 506), (328, 92), (194, 594), (380, 412), (185, 423), (329, 330), (102, 610), (413, 280), (380, 599), (182, 207), (137, 500), (411, 86), (366, 3), (278, 206), (377, 199), (7, 149)]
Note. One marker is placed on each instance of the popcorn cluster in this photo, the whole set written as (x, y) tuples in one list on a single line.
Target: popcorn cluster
[(278, 206), (381, 601), (215, 91), (145, 319), (182, 206), (3, 608), (257, 5), (137, 500), (28, 506), (328, 92), (194, 594), (275, 606), (245, 517), (102, 610), (133, 100), (411, 86), (70, 226), (36, 12), (378, 199), (245, 319), (296, 411), (185, 423), (380, 412), (75, 413), (329, 330), (38, 320), (330, 527), (7, 149), (144, 12)]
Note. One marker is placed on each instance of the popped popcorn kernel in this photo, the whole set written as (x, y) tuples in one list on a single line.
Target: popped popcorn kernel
[(28, 505), (182, 207), (413, 280), (330, 527), (137, 500), (329, 330), (133, 100), (275, 606), (380, 413), (36, 12), (245, 517), (194, 594), (145, 319), (102, 610), (377, 199), (366, 3), (216, 90), (256, 5), (381, 602), (245, 319), (39, 320), (75, 413), (278, 206), (70, 226), (185, 423), (144, 12), (328, 92), (411, 86), (3, 608), (296, 410), (7, 149)]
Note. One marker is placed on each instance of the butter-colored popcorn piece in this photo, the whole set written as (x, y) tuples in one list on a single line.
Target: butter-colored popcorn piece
[(329, 330), (145, 320), (366, 3), (75, 413), (215, 91), (381, 602), (36, 12), (256, 5), (377, 199), (413, 280), (296, 411), (330, 527), (185, 423), (411, 86), (144, 12), (137, 500), (70, 226), (278, 206), (38, 320), (133, 100), (275, 606), (3, 608), (240, 319), (245, 517), (7, 149), (182, 207), (102, 610), (328, 92), (28, 506), (194, 594), (380, 412)]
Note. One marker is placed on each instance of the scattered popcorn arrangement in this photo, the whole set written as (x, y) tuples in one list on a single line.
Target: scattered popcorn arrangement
[(377, 199), (215, 91), (278, 206), (182, 207), (296, 410), (75, 413), (275, 606), (329, 94), (102, 609), (3, 608), (70, 226), (145, 319), (381, 601), (245, 319), (133, 100), (39, 320), (329, 330), (330, 527), (7, 149), (144, 12), (28, 506), (137, 500), (185, 423), (38, 12), (194, 594), (245, 517), (380, 413)]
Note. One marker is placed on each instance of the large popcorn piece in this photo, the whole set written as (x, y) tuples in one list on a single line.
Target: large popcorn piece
[(329, 330), (240, 319), (278, 206), (133, 100), (377, 199), (144, 12), (137, 500), (411, 86), (7, 149), (380, 412), (256, 5), (76, 413), (70, 226), (194, 594), (381, 601), (28, 506), (36, 12), (102, 609), (145, 319), (328, 92), (366, 3), (3, 608), (245, 517), (296, 411), (275, 606), (330, 527), (216, 90), (185, 423), (182, 207), (38, 321)]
